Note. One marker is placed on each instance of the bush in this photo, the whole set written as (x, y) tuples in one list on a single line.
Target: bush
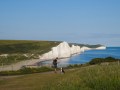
[(101, 60)]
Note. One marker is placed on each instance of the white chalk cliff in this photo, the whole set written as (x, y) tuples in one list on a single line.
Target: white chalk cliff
[(102, 47), (60, 51), (85, 49), (63, 50)]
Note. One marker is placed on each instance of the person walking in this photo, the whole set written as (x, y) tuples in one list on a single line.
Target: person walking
[(55, 64)]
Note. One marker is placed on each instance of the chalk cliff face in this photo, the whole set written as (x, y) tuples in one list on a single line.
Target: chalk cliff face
[(84, 49), (63, 50), (60, 51), (75, 49), (102, 47)]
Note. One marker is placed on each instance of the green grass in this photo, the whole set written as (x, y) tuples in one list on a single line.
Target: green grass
[(17, 48), (22, 46), (96, 77), (26, 71)]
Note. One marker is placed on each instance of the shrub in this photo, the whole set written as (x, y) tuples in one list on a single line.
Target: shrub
[(101, 60)]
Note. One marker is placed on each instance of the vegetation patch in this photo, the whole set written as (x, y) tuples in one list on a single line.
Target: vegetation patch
[(76, 66), (26, 71), (102, 60), (22, 46), (12, 51)]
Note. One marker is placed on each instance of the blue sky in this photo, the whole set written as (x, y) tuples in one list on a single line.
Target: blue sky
[(79, 21)]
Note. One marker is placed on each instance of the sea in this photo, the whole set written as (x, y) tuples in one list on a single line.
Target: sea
[(87, 56)]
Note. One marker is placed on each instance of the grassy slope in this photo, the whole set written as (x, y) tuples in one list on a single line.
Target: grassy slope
[(24, 46), (95, 77), (16, 49)]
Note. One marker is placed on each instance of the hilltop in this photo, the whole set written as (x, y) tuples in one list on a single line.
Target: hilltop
[(25, 46)]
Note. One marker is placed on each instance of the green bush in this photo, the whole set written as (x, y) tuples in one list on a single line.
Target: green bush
[(101, 60)]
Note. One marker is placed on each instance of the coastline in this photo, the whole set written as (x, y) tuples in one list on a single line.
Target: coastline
[(63, 49)]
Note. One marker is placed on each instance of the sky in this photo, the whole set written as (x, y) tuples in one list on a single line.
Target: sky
[(76, 21)]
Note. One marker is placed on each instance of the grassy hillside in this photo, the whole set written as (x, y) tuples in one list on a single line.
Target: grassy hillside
[(96, 77), (22, 46), (18, 50)]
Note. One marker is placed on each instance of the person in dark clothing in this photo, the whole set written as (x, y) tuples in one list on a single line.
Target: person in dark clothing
[(55, 64)]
